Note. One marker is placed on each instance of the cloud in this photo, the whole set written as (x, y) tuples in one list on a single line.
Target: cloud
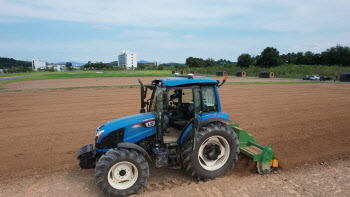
[(134, 13), (169, 30), (149, 34), (270, 15)]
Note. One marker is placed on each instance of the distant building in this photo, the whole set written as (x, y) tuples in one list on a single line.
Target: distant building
[(37, 64), (60, 67), (77, 66), (127, 59), (155, 63)]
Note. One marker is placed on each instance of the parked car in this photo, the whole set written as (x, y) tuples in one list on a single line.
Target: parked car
[(315, 77), (325, 78), (306, 77)]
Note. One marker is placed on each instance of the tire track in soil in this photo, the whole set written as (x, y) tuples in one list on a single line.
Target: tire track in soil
[(151, 187)]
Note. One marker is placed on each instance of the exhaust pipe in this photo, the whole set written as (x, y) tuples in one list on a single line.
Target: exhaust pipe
[(142, 110)]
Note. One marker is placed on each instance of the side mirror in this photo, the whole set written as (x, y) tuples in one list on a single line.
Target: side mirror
[(222, 82)]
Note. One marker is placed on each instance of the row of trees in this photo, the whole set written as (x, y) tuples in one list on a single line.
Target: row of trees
[(18, 69), (149, 67), (210, 62), (11, 63), (97, 66), (269, 57)]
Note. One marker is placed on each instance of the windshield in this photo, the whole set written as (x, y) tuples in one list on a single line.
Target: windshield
[(157, 99)]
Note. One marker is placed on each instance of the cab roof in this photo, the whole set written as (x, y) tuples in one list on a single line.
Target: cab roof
[(177, 81)]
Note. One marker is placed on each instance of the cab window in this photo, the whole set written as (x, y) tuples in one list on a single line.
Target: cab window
[(157, 100), (181, 99), (209, 99)]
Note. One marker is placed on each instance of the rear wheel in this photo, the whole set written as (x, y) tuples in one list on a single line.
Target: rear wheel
[(215, 152), (121, 172)]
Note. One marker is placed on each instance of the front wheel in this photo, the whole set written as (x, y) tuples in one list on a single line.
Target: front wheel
[(121, 172), (215, 152)]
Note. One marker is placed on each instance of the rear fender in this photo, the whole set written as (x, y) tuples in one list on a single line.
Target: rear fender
[(202, 123)]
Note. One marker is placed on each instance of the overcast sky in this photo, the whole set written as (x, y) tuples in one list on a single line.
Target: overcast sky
[(168, 31)]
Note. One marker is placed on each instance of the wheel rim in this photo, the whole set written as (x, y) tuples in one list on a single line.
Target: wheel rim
[(213, 153), (122, 175)]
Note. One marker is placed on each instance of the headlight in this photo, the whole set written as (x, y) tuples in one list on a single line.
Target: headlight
[(100, 127), (98, 135)]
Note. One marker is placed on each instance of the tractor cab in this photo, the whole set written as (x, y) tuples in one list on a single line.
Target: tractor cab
[(176, 102)]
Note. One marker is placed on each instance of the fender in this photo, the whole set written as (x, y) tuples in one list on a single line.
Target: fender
[(204, 122), (135, 147)]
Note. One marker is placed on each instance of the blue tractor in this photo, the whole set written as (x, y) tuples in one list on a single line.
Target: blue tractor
[(181, 125)]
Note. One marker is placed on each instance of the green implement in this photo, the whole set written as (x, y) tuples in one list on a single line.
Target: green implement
[(263, 156)]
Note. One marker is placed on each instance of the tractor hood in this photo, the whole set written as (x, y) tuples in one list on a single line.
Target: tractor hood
[(127, 129), (127, 121)]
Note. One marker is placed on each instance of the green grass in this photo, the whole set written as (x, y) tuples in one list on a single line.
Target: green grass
[(282, 72), (88, 74), (126, 73), (18, 74)]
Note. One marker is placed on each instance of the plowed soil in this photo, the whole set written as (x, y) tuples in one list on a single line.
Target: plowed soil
[(41, 132), (106, 81)]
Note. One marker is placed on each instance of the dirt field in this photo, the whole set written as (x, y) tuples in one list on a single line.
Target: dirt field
[(306, 124), (105, 81), (329, 179)]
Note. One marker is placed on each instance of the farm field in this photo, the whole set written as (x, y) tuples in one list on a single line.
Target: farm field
[(82, 76), (121, 81), (306, 124)]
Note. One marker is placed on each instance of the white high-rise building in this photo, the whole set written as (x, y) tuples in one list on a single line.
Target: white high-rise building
[(127, 58), (37, 64)]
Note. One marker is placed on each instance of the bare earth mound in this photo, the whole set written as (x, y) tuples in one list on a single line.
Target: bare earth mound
[(42, 131)]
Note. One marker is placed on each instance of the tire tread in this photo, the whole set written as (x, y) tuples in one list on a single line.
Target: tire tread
[(187, 149), (105, 162)]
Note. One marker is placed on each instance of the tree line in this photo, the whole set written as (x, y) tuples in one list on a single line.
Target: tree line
[(18, 69), (209, 62), (269, 57), (11, 63), (97, 66)]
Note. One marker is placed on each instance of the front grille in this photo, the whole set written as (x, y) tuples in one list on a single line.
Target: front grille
[(111, 140)]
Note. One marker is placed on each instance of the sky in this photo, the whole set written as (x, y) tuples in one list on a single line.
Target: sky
[(168, 30)]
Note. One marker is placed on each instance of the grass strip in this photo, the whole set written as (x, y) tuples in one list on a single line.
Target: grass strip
[(83, 75)]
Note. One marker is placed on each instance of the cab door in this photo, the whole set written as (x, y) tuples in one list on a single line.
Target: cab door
[(197, 108), (158, 106)]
